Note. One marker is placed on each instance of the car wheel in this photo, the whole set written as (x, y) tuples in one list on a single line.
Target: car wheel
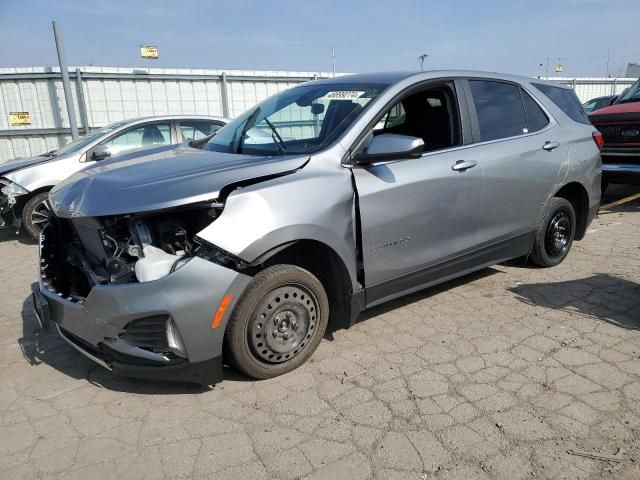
[(278, 322), (554, 238), (36, 214)]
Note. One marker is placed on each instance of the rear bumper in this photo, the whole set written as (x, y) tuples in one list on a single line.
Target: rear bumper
[(189, 296), (613, 172)]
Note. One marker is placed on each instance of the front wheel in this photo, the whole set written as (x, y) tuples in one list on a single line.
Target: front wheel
[(278, 322), (554, 237), (36, 214)]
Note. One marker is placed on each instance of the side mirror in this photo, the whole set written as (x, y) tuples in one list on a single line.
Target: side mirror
[(99, 152), (317, 108), (390, 146)]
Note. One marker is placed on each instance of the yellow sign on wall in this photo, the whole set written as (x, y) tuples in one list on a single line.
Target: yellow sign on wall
[(20, 118), (147, 51)]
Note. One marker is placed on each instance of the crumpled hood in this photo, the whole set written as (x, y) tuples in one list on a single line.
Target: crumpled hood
[(158, 180), (17, 164)]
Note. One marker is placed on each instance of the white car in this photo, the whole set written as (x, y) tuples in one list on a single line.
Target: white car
[(25, 183)]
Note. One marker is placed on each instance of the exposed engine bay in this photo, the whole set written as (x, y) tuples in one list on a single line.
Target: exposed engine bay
[(80, 253)]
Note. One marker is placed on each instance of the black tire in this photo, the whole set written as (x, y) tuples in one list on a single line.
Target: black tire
[(553, 239), (35, 214), (278, 322)]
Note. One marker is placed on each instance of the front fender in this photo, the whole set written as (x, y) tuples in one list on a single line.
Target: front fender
[(263, 217)]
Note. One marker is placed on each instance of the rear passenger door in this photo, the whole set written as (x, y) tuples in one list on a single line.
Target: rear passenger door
[(518, 146)]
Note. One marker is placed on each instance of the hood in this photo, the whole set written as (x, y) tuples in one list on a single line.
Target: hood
[(617, 112), (159, 180), (17, 164)]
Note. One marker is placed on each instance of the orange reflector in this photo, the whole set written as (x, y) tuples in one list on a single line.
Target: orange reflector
[(221, 309)]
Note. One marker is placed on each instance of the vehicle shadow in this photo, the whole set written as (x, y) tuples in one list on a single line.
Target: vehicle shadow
[(601, 296), (9, 234)]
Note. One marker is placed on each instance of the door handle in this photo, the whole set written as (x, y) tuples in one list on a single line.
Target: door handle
[(548, 146), (463, 165)]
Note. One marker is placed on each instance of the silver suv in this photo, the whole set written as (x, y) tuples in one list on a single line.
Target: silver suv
[(25, 183), (322, 201)]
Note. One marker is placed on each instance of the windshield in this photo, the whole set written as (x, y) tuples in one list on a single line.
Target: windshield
[(631, 95), (84, 140), (301, 120)]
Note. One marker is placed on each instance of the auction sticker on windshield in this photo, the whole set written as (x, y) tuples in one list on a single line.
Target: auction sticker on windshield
[(343, 95)]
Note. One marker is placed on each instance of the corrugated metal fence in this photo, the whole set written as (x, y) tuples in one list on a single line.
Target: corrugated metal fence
[(588, 88), (103, 95)]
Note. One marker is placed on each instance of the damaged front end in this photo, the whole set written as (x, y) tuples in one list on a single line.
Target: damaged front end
[(82, 252), (127, 291)]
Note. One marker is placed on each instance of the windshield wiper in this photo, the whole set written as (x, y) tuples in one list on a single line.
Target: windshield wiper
[(202, 141), (277, 139), (52, 153)]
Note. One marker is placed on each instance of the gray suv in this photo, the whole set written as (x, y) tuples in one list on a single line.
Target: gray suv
[(322, 201)]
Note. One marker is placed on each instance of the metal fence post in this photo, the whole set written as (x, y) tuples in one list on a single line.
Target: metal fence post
[(66, 85), (613, 86), (82, 105), (225, 95)]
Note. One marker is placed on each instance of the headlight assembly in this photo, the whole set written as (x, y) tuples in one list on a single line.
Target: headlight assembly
[(11, 189)]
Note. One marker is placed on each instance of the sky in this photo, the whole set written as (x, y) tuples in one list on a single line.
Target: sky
[(505, 36)]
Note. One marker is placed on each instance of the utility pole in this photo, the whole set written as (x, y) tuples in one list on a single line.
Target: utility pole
[(333, 61), (608, 59), (547, 77), (421, 59), (66, 85)]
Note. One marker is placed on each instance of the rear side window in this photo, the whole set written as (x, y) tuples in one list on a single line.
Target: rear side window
[(566, 100), (536, 118), (499, 108)]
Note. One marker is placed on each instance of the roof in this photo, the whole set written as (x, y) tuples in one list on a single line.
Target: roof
[(390, 78)]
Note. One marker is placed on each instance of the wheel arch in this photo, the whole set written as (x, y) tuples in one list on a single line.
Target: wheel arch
[(25, 198), (326, 264), (576, 194)]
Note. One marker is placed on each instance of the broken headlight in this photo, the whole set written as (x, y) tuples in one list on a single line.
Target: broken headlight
[(12, 190)]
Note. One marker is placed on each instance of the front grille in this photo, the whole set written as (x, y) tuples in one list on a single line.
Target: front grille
[(620, 134), (148, 333)]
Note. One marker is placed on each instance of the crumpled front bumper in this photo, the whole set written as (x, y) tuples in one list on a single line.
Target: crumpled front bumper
[(7, 215), (190, 296)]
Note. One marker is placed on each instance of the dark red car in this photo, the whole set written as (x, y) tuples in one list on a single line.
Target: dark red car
[(619, 124)]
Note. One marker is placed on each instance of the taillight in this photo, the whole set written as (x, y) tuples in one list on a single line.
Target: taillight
[(599, 139)]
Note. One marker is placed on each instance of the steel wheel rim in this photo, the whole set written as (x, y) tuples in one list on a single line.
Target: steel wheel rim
[(40, 216), (558, 234), (283, 324)]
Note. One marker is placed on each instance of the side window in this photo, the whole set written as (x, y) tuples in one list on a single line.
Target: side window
[(197, 129), (430, 114), (566, 100), (138, 137), (536, 118), (499, 108)]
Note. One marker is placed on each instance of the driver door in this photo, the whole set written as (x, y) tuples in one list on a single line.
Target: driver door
[(418, 215)]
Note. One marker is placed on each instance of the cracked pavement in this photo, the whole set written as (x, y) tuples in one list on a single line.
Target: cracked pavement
[(497, 375)]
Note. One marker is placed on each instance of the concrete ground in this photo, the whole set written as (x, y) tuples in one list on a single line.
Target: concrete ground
[(512, 373)]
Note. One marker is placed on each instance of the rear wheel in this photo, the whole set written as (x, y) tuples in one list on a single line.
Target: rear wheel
[(554, 237), (36, 214), (278, 322)]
